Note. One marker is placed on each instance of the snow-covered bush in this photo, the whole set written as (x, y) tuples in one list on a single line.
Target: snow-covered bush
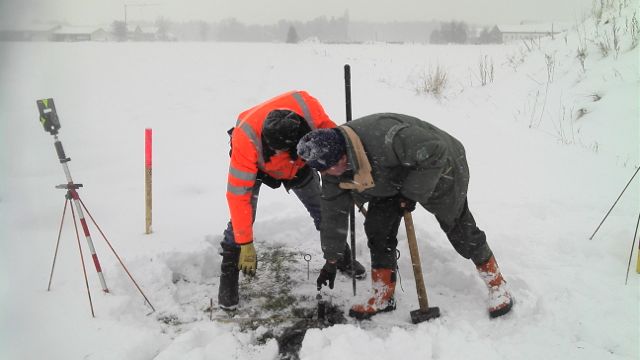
[(634, 31), (433, 83), (485, 66)]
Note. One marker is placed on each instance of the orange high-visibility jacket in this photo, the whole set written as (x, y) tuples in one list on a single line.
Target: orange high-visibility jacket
[(247, 158)]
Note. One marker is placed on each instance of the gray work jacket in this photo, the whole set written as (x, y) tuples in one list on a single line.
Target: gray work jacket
[(407, 156)]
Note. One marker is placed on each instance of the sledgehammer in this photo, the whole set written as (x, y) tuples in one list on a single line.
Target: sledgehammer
[(425, 312)]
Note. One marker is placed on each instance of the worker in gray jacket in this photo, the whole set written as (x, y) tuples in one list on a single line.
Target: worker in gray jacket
[(394, 161)]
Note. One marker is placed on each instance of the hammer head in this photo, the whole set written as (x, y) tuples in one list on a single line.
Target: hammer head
[(418, 316)]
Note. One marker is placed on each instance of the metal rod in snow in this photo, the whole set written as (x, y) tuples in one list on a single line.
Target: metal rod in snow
[(614, 204), (633, 245), (347, 89), (352, 212)]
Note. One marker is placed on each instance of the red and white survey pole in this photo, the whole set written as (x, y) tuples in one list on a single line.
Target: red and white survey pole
[(147, 178), (73, 194)]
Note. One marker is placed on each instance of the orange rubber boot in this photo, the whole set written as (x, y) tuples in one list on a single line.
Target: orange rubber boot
[(500, 299), (384, 286)]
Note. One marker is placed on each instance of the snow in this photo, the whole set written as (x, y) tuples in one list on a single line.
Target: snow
[(541, 183)]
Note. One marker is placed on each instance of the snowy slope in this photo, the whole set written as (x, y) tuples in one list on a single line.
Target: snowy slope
[(541, 182)]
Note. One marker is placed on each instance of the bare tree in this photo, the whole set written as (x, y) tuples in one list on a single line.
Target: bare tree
[(490, 36), (119, 30), (450, 32), (164, 25), (203, 30), (292, 35)]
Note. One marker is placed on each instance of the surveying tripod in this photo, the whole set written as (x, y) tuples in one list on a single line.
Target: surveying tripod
[(51, 123)]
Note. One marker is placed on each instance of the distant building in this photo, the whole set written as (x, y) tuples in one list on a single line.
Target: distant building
[(101, 35), (511, 33), (146, 33), (29, 33), (78, 33), (54, 33)]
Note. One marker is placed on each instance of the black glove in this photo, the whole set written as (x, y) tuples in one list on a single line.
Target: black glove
[(268, 180), (406, 204), (328, 273)]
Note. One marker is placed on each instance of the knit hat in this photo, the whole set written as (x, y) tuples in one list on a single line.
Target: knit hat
[(322, 148), (283, 128)]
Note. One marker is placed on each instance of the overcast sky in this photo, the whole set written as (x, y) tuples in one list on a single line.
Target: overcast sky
[(92, 12)]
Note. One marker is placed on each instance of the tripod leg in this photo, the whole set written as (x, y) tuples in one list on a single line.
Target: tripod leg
[(117, 256), (84, 270), (55, 254), (614, 204), (635, 234)]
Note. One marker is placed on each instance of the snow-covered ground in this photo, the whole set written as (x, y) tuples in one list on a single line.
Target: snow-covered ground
[(550, 147)]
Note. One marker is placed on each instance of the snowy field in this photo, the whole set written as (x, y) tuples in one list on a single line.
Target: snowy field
[(550, 147)]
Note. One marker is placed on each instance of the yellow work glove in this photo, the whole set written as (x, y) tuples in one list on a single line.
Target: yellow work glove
[(248, 259)]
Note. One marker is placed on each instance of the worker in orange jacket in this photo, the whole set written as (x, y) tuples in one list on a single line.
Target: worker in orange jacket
[(263, 150)]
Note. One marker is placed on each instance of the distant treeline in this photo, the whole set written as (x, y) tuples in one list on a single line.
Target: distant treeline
[(332, 30)]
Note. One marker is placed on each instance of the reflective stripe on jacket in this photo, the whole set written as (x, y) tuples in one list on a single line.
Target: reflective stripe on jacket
[(247, 158)]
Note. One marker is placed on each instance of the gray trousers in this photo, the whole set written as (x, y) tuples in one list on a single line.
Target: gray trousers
[(383, 220)]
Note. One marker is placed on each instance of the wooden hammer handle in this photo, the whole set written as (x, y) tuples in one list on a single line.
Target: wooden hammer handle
[(415, 261)]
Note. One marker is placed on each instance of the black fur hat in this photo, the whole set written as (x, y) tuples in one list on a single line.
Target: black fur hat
[(282, 129)]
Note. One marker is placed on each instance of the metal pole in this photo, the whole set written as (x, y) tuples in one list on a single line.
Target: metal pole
[(352, 212), (614, 204), (347, 88)]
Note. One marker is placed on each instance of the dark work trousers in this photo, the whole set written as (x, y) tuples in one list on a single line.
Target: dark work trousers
[(465, 236), (381, 227), (383, 220), (308, 193)]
